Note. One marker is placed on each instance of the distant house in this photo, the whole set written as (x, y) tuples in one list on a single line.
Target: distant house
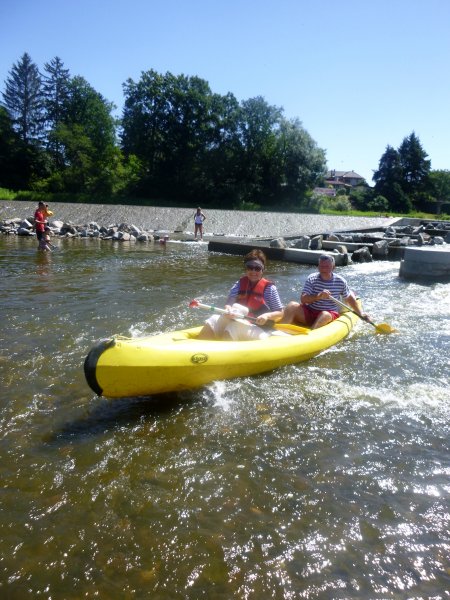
[(343, 179), (338, 180)]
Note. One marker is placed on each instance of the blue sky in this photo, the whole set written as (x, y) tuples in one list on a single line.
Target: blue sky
[(360, 75)]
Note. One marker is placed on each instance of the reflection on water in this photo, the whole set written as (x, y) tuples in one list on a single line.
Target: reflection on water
[(322, 479)]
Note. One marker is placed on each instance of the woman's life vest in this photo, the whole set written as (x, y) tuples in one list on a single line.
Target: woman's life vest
[(253, 297)]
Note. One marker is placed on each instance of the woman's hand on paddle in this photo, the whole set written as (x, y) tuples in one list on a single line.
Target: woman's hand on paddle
[(264, 319), (229, 314)]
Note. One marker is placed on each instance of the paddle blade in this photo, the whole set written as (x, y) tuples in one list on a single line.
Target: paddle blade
[(291, 328), (384, 328), (193, 304)]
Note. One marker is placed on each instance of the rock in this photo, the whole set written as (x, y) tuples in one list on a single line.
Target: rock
[(145, 237), (24, 231), (362, 255), (303, 242), (68, 228), (420, 239), (316, 242), (380, 249), (278, 243), (437, 240)]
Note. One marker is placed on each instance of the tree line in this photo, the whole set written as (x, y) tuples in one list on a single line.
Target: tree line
[(176, 141), (404, 181)]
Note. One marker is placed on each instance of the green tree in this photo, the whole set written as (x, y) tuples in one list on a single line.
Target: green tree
[(259, 176), (10, 144), (222, 160), (180, 131), (23, 100), (440, 187), (440, 181), (361, 196), (389, 180), (55, 89), (415, 167), (86, 137), (301, 162)]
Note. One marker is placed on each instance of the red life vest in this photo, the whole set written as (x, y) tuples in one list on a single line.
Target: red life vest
[(253, 297)]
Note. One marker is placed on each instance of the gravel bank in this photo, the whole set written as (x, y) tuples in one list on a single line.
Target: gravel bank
[(218, 222)]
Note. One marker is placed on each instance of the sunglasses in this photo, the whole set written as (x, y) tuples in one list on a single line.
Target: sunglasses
[(254, 268)]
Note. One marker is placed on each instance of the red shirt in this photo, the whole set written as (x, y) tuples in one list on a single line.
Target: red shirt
[(39, 216)]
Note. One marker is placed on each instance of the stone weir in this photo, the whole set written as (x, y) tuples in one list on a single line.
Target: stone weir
[(386, 243)]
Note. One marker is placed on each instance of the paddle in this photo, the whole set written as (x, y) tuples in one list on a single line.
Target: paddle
[(380, 327), (287, 327)]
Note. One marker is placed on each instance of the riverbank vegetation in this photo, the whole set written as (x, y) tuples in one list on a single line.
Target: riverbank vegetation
[(178, 143)]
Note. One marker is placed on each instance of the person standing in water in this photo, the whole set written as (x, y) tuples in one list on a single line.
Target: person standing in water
[(40, 221), (199, 217)]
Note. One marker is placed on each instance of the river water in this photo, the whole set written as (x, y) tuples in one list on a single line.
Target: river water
[(326, 479)]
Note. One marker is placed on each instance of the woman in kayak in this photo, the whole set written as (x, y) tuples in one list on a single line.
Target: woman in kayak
[(251, 295)]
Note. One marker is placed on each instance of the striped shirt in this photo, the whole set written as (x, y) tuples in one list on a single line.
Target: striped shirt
[(271, 296), (337, 286)]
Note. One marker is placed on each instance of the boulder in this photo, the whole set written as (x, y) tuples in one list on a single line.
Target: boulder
[(25, 231), (302, 243), (316, 242), (278, 243), (380, 249), (362, 255), (437, 240)]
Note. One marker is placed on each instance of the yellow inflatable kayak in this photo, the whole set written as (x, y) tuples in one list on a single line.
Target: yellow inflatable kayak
[(174, 361)]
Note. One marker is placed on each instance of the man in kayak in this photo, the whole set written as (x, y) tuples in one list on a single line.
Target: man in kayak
[(251, 295), (316, 307)]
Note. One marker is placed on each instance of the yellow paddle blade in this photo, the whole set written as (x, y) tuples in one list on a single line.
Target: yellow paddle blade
[(291, 328), (384, 328)]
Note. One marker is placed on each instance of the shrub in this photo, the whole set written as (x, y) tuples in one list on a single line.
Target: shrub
[(7, 194)]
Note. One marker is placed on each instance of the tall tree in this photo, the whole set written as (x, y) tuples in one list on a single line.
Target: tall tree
[(171, 123), (10, 172), (302, 162), (87, 136), (389, 179), (258, 131), (55, 89), (440, 185), (23, 99), (415, 166)]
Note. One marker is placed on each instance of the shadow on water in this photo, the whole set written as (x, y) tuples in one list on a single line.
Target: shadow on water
[(110, 415)]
